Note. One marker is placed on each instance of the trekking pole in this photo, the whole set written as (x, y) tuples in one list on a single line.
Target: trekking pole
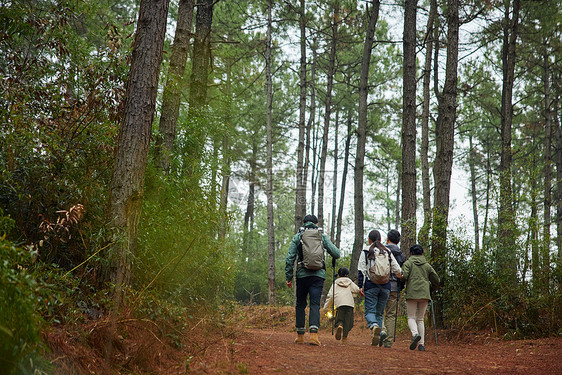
[(434, 326), (334, 293), (396, 316)]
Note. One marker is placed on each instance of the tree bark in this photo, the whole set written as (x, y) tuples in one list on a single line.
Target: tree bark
[(362, 137), (315, 161), (445, 138), (199, 80), (534, 233), (300, 193), (472, 166), (545, 266), (127, 183), (327, 115), (506, 259), (172, 91), (397, 207), (226, 154), (335, 179), (488, 194), (409, 189), (424, 150), (344, 178), (250, 206), (311, 123), (269, 163), (558, 158)]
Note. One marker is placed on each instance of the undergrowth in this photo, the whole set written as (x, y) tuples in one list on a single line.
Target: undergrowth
[(476, 297)]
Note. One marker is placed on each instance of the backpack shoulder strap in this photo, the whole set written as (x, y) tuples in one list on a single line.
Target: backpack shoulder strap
[(299, 245)]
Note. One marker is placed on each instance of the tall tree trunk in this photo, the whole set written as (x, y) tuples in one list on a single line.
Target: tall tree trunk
[(127, 183), (335, 180), (409, 189), (506, 259), (488, 194), (172, 91), (362, 137), (472, 166), (214, 172), (445, 138), (534, 233), (310, 126), (315, 160), (558, 158), (250, 206), (424, 150), (344, 178), (300, 193), (397, 207), (545, 266), (388, 199), (269, 163), (327, 115), (199, 78), (226, 154)]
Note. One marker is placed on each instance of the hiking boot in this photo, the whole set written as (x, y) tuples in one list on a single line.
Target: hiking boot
[(344, 340), (383, 336), (314, 339), (421, 348), (339, 331), (388, 345), (299, 339), (375, 332), (415, 341)]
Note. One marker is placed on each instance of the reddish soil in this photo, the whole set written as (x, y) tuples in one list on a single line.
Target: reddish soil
[(259, 340), (272, 351)]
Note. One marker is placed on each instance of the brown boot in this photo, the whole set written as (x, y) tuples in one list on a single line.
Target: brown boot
[(314, 339), (299, 339), (339, 331), (344, 340)]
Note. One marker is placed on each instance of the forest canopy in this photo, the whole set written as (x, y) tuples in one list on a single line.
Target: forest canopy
[(160, 155)]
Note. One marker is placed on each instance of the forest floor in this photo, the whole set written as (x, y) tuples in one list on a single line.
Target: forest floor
[(260, 341)]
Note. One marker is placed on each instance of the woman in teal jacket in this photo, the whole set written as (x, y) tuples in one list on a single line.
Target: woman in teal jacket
[(419, 277)]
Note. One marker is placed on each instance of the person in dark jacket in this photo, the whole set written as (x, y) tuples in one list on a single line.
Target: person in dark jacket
[(419, 277), (389, 321), (310, 283)]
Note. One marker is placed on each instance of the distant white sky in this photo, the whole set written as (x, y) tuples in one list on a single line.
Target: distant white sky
[(460, 214)]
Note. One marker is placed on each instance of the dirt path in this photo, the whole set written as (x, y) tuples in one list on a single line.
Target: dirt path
[(272, 351), (259, 340)]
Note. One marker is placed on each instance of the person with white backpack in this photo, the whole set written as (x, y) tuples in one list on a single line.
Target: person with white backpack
[(376, 262)]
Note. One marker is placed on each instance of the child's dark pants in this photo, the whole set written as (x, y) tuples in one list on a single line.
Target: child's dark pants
[(344, 316)]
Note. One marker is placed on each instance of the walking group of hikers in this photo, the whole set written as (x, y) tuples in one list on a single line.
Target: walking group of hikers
[(383, 272)]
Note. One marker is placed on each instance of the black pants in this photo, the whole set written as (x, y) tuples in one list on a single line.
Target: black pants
[(344, 317), (310, 286)]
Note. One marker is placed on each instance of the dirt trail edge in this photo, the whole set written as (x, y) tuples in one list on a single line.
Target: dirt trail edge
[(272, 351)]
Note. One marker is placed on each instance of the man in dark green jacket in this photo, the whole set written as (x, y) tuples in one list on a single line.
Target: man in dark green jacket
[(309, 282)]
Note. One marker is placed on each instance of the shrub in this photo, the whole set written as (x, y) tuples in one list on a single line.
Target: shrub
[(20, 323)]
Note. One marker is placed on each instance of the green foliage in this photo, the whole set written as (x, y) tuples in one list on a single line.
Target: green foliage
[(179, 253), (65, 63), (20, 322), (477, 296)]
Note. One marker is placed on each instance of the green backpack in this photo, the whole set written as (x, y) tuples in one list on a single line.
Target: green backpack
[(311, 250)]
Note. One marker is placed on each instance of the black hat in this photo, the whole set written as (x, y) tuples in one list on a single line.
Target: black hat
[(312, 218)]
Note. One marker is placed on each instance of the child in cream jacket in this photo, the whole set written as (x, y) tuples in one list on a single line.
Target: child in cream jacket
[(342, 298)]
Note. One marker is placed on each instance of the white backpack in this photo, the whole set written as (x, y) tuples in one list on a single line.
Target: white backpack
[(379, 271)]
